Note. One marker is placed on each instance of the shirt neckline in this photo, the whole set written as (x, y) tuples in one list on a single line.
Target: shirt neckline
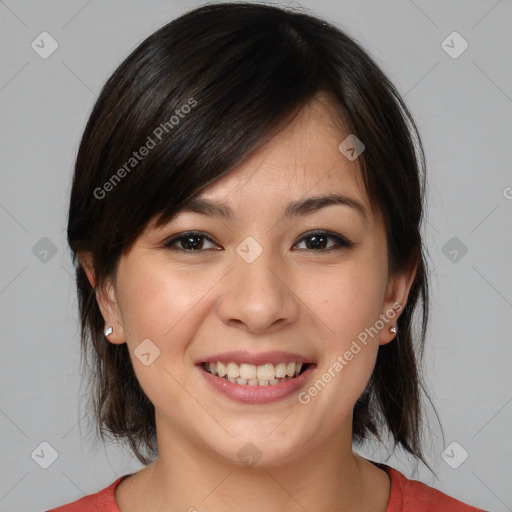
[(393, 475)]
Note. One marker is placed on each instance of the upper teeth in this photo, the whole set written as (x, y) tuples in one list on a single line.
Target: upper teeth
[(264, 372)]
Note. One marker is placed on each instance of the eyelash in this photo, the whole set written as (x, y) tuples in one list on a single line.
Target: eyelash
[(341, 242)]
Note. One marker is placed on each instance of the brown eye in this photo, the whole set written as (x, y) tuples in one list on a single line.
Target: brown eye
[(190, 241), (319, 241)]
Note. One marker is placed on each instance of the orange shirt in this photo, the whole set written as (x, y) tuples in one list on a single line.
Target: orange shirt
[(406, 496)]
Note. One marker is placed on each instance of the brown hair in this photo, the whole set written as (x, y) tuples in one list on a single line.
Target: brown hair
[(241, 70)]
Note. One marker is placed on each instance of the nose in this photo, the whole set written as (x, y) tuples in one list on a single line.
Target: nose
[(258, 296)]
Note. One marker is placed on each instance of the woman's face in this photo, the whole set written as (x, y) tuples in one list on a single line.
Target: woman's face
[(276, 279)]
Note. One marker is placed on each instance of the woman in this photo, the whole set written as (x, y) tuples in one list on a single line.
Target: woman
[(245, 218)]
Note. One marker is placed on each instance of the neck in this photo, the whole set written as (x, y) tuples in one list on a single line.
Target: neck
[(328, 477)]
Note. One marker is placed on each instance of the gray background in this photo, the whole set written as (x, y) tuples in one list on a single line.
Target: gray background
[(463, 108)]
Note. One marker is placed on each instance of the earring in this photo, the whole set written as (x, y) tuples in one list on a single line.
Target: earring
[(108, 331), (394, 330)]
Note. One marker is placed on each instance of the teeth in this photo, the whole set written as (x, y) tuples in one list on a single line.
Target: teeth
[(248, 371), (281, 370), (233, 370), (252, 375), (221, 369), (266, 372)]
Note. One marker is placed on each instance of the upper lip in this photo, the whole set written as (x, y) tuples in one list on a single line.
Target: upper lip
[(253, 358)]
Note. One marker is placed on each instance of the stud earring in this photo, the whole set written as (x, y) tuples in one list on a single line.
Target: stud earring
[(108, 331), (394, 330)]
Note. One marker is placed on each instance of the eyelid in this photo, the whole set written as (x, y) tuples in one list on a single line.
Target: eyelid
[(169, 242), (342, 241)]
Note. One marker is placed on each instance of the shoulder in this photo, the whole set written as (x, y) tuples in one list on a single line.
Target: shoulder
[(103, 501), (410, 495)]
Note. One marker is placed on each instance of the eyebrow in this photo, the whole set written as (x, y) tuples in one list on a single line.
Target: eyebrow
[(295, 209)]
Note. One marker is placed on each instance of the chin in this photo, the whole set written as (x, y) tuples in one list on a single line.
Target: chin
[(257, 446)]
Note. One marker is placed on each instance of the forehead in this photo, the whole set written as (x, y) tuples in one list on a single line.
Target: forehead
[(302, 159)]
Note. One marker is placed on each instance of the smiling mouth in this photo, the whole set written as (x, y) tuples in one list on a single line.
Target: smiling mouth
[(255, 375)]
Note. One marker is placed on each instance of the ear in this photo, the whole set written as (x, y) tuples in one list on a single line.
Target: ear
[(397, 293), (106, 299)]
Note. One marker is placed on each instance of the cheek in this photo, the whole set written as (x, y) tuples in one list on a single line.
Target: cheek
[(164, 306), (347, 304), (347, 299), (161, 303)]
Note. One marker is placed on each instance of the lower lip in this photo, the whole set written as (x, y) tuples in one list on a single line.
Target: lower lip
[(257, 394)]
